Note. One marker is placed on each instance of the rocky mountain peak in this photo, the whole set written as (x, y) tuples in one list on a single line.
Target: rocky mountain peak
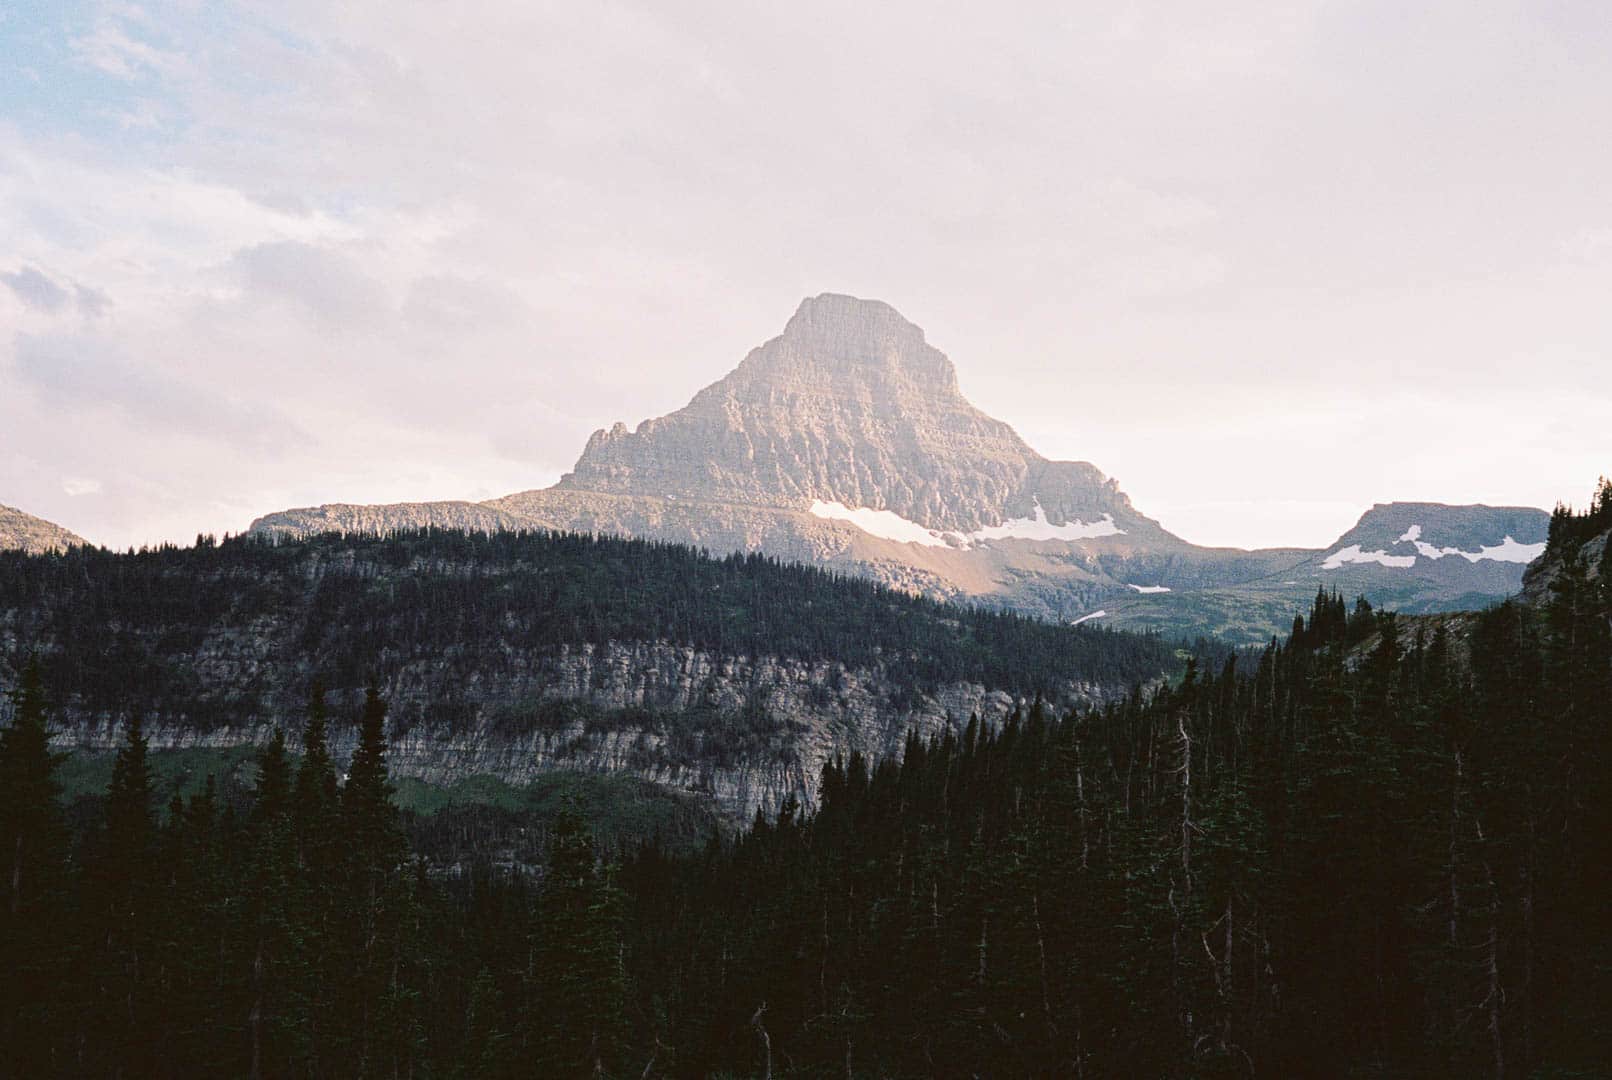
[(848, 406), (834, 334)]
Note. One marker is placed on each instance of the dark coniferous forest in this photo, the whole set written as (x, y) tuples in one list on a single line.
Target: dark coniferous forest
[(115, 631), (1380, 848)]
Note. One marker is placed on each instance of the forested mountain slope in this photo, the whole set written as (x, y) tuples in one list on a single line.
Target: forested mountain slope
[(510, 654)]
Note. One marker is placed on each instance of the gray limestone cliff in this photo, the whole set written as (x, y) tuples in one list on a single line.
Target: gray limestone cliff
[(745, 732)]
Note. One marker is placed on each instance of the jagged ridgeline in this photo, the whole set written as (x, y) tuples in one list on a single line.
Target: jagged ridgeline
[(512, 654)]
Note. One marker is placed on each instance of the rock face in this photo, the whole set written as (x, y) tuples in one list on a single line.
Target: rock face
[(350, 517), (845, 442), (24, 532), (641, 707), (1586, 541)]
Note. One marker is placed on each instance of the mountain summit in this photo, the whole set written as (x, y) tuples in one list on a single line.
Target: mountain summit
[(850, 408), (846, 442)]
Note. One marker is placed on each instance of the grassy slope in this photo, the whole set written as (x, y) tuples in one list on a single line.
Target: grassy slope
[(620, 809)]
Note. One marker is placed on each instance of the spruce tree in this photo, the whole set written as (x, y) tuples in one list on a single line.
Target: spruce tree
[(379, 933), (276, 945), (33, 857), (316, 915), (578, 991), (125, 878), (315, 805)]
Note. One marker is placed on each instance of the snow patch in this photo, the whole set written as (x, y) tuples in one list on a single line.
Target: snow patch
[(1150, 588), (1428, 551), (889, 525), (885, 524), (1083, 618), (1039, 528), (1353, 554), (1508, 550)]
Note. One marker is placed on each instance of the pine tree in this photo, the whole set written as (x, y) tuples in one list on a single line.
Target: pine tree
[(273, 797), (123, 898), (578, 987), (275, 944), (312, 1019), (200, 997), (33, 856), (488, 1052), (378, 909), (316, 799)]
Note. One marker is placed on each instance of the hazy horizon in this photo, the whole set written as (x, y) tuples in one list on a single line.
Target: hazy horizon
[(1265, 269)]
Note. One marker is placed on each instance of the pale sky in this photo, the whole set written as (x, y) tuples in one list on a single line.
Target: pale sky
[(1266, 264)]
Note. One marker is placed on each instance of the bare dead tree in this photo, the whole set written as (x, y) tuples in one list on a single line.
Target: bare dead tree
[(1080, 794), (766, 1040), (654, 1054)]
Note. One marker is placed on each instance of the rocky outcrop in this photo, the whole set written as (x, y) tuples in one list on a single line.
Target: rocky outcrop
[(24, 532), (387, 518), (1594, 556)]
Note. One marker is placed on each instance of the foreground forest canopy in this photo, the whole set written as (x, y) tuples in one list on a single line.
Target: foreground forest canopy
[(1380, 849), (120, 631)]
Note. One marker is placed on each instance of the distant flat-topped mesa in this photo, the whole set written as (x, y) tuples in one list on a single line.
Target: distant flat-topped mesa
[(24, 532), (1408, 534), (846, 442)]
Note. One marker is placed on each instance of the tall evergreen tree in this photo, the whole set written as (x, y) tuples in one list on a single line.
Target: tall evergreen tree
[(33, 858), (125, 875), (316, 914), (578, 983), (316, 800), (378, 909), (276, 945)]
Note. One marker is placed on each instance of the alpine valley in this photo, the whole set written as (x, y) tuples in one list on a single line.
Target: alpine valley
[(534, 787), (837, 709), (845, 443), (883, 559)]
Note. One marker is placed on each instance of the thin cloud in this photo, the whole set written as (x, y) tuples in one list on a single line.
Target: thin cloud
[(81, 485), (447, 249), (36, 290), (79, 372), (322, 284)]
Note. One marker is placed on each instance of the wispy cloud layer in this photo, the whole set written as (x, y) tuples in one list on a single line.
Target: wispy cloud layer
[(291, 252)]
